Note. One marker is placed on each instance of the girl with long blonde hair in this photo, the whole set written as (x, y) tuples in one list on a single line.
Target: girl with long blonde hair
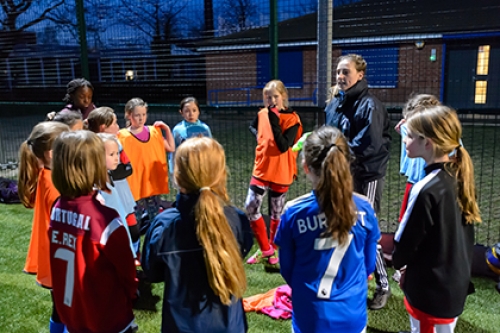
[(197, 247), (435, 239), (328, 241)]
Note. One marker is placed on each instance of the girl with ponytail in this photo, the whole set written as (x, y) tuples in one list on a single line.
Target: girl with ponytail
[(37, 191), (197, 247), (328, 241), (436, 236)]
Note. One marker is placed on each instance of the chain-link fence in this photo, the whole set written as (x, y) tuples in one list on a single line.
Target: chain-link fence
[(224, 51)]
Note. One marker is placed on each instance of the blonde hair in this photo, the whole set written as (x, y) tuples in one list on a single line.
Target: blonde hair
[(79, 164), (200, 166), (31, 152), (359, 64), (326, 154), (417, 101), (106, 137), (98, 117), (131, 105), (441, 124), (280, 88)]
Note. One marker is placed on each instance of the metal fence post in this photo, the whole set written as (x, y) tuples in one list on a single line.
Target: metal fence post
[(82, 31), (273, 38), (324, 58)]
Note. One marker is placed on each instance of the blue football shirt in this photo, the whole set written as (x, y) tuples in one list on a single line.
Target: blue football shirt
[(328, 281), (183, 131)]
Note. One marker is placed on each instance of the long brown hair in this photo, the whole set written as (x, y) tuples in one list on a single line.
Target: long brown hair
[(441, 124), (200, 166), (79, 164), (326, 155), (32, 154)]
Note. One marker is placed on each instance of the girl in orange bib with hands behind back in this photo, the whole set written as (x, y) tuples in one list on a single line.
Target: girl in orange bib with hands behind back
[(146, 148)]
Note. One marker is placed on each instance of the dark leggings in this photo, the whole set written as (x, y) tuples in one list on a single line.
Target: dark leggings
[(55, 315)]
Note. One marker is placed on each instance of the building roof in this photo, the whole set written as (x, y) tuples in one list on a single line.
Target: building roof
[(375, 18)]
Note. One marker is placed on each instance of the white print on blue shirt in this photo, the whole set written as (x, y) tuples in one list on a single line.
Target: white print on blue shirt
[(319, 221)]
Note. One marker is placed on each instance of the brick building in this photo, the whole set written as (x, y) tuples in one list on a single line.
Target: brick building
[(449, 48)]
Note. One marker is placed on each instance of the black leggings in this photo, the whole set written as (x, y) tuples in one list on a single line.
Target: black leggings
[(55, 315)]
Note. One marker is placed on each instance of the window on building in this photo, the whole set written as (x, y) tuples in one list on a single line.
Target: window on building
[(290, 68), (483, 59), (382, 65), (480, 94)]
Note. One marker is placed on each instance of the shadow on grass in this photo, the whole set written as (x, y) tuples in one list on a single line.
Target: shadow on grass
[(146, 301)]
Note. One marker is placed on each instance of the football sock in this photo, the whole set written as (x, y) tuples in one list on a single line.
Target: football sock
[(260, 233), (273, 227)]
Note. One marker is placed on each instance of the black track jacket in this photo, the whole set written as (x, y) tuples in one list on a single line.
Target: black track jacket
[(172, 254), (436, 244), (364, 121)]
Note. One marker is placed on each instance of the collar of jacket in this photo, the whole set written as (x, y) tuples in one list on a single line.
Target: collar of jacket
[(431, 167), (355, 92), (185, 202)]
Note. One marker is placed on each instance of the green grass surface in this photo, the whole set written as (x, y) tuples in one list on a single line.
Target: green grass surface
[(25, 307)]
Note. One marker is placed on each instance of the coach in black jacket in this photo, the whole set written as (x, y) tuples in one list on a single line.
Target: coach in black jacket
[(364, 121)]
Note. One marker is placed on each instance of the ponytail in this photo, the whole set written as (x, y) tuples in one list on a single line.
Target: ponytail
[(332, 92), (464, 173), (28, 175), (334, 191), (441, 124), (200, 167), (226, 275), (32, 155), (327, 156)]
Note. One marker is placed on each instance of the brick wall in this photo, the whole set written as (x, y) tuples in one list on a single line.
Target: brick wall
[(416, 74), (232, 71)]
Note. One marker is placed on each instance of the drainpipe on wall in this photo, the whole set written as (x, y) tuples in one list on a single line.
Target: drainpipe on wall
[(443, 73)]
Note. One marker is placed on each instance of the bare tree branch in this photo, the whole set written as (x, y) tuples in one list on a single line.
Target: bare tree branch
[(237, 15), (13, 10), (42, 17), (157, 19)]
